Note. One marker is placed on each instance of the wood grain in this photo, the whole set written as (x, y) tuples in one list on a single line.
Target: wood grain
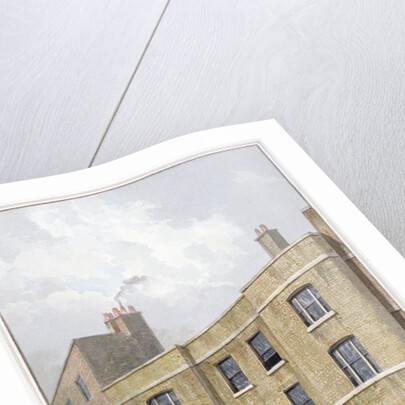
[(330, 72), (63, 67)]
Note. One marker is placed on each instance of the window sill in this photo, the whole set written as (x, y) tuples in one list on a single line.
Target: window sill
[(320, 321), (356, 391), (248, 388), (276, 367)]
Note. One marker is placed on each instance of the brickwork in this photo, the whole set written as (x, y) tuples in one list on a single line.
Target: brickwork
[(157, 369), (77, 365), (355, 265), (382, 393)]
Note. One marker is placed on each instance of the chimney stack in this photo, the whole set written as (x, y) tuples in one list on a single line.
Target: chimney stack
[(130, 322), (270, 240)]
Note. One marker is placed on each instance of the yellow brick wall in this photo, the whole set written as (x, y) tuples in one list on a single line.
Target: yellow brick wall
[(358, 268), (166, 364), (265, 387), (382, 392), (284, 266), (186, 386), (356, 312), (231, 321)]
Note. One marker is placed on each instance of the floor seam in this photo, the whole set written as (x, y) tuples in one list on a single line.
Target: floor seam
[(138, 64)]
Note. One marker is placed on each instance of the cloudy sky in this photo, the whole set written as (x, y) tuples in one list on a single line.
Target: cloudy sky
[(171, 244)]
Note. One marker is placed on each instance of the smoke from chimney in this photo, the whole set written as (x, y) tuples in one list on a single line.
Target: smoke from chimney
[(128, 286)]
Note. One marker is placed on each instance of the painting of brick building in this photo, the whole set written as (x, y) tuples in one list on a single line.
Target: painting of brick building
[(311, 327), (212, 282)]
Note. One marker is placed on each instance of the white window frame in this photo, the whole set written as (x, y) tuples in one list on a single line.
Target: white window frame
[(259, 357), (306, 288), (290, 389), (357, 377), (154, 401), (234, 390)]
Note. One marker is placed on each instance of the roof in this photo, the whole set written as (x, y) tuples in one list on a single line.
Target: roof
[(111, 356)]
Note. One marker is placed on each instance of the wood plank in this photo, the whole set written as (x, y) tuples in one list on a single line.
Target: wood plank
[(330, 72), (63, 68)]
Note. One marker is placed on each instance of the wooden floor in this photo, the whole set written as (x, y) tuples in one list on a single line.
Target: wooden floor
[(85, 82)]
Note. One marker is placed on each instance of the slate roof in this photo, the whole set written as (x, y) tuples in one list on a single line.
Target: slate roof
[(111, 356)]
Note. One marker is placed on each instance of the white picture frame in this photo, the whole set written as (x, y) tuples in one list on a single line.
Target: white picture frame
[(362, 238)]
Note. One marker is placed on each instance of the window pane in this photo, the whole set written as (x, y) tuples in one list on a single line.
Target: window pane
[(373, 363), (363, 370), (358, 345), (360, 366), (164, 400), (303, 315), (313, 291), (263, 349), (260, 344), (233, 374), (316, 311), (272, 361), (239, 381), (353, 377), (83, 388), (298, 396), (229, 367), (309, 305), (167, 398), (349, 353), (174, 398), (270, 353), (305, 298), (339, 358), (324, 304)]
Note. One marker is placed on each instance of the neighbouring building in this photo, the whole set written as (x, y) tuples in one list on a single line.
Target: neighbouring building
[(94, 362), (312, 327)]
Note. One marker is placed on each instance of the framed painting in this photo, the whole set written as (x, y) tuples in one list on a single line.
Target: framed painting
[(219, 267)]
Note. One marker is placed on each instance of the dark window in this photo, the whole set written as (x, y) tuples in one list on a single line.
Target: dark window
[(82, 387), (298, 396), (231, 371), (68, 402), (167, 398), (268, 356), (309, 305), (354, 360)]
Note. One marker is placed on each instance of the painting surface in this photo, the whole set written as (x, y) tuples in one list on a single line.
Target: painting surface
[(169, 245)]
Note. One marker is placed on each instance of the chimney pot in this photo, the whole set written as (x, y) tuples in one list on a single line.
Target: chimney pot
[(131, 309), (271, 240), (116, 312)]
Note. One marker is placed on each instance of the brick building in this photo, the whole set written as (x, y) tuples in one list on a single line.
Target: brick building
[(94, 362), (313, 326)]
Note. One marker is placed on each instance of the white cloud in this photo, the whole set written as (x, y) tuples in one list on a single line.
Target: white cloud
[(86, 239), (92, 240)]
